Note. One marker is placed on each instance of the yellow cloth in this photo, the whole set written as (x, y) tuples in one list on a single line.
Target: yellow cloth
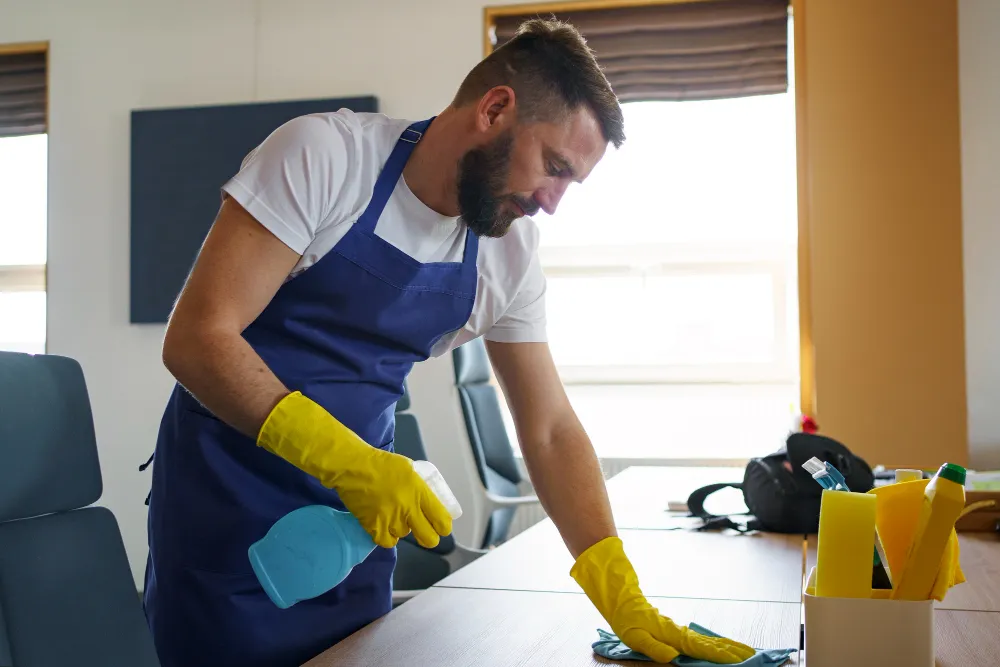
[(605, 574), (381, 489), (950, 574)]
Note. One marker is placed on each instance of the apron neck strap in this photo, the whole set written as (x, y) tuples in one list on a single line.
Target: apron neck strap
[(390, 174)]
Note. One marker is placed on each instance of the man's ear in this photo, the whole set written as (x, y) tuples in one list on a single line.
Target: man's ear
[(496, 108)]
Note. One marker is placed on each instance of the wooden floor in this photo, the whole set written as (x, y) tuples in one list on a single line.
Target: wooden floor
[(518, 606)]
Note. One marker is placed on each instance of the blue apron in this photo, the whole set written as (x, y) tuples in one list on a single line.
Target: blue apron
[(345, 333)]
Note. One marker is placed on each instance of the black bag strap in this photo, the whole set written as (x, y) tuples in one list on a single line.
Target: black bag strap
[(696, 506)]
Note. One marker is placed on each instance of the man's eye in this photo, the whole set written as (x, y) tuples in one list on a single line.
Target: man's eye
[(553, 169)]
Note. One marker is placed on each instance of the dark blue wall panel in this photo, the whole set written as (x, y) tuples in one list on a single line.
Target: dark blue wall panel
[(180, 160)]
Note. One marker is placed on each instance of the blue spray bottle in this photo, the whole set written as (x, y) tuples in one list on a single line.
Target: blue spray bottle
[(310, 550)]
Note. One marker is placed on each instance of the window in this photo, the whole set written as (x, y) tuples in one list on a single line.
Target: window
[(672, 300), (23, 185), (23, 242), (675, 261), (23, 196), (672, 272)]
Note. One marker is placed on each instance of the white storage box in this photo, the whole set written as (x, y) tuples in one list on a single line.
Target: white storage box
[(867, 632)]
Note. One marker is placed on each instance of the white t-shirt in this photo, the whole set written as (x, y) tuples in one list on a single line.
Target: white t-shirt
[(310, 180)]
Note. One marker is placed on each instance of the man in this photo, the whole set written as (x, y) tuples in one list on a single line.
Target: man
[(347, 248)]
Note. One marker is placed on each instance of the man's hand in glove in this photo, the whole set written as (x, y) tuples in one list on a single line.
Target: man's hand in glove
[(605, 574), (381, 489)]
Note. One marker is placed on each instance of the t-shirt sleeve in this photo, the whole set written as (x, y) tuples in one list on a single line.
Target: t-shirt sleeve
[(290, 182), (524, 320)]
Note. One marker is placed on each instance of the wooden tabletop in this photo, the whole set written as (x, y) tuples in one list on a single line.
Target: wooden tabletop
[(979, 554), (519, 606), (640, 496), (757, 567), (966, 638), (465, 627)]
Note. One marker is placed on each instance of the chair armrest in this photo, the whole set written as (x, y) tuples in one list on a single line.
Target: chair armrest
[(513, 501), (458, 558), (462, 556), (403, 596)]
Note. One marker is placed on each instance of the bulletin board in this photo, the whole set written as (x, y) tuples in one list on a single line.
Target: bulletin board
[(180, 158)]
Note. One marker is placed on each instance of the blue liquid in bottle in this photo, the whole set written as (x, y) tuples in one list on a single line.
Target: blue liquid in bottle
[(308, 552)]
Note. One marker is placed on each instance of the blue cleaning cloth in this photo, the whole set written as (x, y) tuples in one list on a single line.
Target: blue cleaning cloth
[(609, 646)]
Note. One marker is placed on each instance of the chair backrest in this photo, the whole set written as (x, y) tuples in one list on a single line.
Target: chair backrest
[(484, 423), (66, 590), (416, 568), (410, 443)]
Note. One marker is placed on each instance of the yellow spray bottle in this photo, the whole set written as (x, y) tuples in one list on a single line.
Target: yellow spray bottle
[(944, 499)]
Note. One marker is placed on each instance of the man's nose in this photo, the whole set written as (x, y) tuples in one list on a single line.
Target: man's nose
[(549, 197)]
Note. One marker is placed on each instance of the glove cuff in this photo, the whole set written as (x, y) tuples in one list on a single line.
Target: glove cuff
[(279, 425), (597, 556), (303, 433), (606, 575)]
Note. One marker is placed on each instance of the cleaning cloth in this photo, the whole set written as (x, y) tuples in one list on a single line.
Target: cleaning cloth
[(609, 646)]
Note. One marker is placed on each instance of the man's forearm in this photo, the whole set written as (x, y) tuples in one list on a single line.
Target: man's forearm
[(225, 374), (569, 483)]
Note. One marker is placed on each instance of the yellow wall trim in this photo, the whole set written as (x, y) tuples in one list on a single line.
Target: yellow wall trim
[(881, 212)]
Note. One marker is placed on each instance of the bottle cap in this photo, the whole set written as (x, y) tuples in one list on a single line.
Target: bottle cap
[(435, 480), (952, 472)]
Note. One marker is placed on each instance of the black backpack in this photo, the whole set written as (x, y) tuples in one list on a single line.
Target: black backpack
[(781, 496)]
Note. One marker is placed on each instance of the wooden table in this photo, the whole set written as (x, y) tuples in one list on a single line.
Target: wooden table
[(669, 564), (640, 495), (518, 605), (450, 626)]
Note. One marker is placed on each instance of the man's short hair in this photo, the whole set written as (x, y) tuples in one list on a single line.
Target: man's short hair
[(552, 71)]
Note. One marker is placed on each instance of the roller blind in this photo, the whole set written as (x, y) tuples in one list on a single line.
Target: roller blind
[(22, 94), (682, 51)]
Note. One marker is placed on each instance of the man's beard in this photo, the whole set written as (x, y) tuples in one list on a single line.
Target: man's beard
[(482, 177)]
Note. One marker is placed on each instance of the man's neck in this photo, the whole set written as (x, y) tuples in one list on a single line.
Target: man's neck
[(431, 173)]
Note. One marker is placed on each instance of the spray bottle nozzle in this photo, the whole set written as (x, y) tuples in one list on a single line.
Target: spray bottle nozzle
[(824, 473)]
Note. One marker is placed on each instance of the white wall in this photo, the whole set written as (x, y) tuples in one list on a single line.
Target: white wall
[(110, 56), (979, 53)]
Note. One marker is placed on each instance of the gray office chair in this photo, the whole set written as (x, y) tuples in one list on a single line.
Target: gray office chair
[(491, 448), (67, 596), (417, 568)]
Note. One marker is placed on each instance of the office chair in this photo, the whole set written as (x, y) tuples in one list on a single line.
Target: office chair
[(417, 568), (495, 462), (67, 596)]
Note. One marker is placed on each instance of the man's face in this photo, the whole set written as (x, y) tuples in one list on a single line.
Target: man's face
[(526, 168)]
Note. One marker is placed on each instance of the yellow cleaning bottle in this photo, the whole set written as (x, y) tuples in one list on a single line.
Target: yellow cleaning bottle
[(944, 499)]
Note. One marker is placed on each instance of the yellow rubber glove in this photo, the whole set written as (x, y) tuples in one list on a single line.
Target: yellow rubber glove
[(605, 574), (381, 489)]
